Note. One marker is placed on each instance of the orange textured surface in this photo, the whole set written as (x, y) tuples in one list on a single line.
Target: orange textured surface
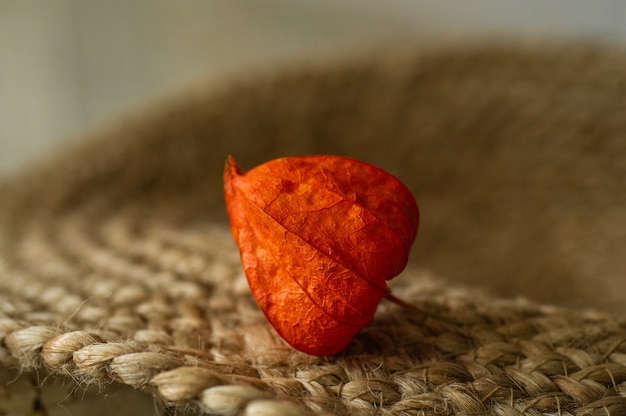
[(319, 236)]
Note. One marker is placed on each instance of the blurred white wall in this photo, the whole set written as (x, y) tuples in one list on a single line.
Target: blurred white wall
[(69, 65)]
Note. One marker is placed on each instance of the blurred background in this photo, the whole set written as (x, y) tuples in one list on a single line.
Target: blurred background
[(67, 66)]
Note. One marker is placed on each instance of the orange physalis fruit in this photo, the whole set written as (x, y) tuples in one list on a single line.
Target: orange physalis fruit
[(319, 236)]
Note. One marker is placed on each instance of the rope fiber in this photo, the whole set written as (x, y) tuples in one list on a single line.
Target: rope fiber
[(116, 263)]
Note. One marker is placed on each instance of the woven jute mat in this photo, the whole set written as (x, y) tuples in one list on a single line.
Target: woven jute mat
[(117, 267)]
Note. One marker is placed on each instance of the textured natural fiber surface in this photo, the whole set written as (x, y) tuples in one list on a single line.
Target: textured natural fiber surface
[(116, 263)]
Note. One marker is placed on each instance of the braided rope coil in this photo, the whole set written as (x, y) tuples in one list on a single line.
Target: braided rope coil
[(506, 359), (116, 264)]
